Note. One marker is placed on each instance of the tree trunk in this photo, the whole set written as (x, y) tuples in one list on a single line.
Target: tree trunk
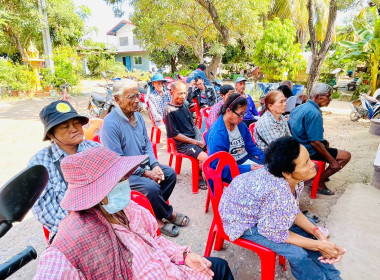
[(173, 64), (318, 56), (374, 71), (16, 40), (214, 64)]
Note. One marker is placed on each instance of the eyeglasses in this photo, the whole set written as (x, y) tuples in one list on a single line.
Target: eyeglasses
[(132, 97), (239, 115)]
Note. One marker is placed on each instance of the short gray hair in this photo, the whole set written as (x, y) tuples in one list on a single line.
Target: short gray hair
[(287, 83), (319, 89), (121, 86)]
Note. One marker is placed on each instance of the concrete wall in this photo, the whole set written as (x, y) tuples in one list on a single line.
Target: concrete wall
[(146, 63)]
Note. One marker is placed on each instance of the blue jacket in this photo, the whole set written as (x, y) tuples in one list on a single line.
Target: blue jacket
[(217, 140), (251, 110), (199, 73)]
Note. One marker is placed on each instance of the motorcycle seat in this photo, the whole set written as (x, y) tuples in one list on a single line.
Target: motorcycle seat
[(98, 98)]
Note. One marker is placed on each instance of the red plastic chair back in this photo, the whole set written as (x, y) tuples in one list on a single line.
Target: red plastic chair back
[(214, 181), (143, 201), (197, 110), (171, 146), (251, 129), (154, 127), (46, 234), (205, 112), (96, 139)]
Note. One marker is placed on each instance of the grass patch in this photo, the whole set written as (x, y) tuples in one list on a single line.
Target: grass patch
[(366, 177)]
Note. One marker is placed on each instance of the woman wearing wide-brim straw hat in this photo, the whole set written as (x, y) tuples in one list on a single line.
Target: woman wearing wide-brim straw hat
[(108, 236)]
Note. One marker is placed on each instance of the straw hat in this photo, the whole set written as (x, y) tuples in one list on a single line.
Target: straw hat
[(92, 174)]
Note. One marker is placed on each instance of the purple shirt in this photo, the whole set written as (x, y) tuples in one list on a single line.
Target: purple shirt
[(258, 198)]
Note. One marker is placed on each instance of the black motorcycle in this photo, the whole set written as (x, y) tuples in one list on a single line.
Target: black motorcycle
[(99, 106), (17, 197)]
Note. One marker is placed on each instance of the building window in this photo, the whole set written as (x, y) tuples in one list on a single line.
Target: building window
[(123, 41), (135, 41), (138, 60)]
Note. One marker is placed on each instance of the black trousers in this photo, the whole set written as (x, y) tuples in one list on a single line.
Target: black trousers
[(157, 194), (221, 269)]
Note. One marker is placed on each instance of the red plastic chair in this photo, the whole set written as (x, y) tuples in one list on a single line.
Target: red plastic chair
[(143, 201), (251, 129), (321, 169), (197, 109), (172, 150), (154, 128), (46, 234), (217, 234), (205, 112), (96, 139)]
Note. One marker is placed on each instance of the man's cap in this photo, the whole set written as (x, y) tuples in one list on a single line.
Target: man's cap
[(58, 112), (240, 79), (158, 77)]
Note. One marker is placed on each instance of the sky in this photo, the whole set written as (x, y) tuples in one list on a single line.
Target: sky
[(102, 18)]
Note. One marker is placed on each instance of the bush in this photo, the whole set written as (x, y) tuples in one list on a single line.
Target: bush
[(105, 62), (18, 77), (68, 67), (139, 75)]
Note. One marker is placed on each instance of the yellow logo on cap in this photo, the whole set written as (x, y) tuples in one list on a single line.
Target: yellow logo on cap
[(63, 108)]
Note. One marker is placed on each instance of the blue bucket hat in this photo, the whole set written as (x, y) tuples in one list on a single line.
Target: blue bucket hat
[(240, 79), (58, 112), (158, 77)]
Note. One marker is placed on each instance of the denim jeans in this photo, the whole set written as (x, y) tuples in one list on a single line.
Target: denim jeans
[(304, 263)]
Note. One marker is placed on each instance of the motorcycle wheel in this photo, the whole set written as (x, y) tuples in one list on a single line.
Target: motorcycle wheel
[(354, 117), (376, 115)]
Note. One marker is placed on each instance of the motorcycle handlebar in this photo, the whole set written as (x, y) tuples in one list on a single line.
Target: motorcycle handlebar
[(16, 262)]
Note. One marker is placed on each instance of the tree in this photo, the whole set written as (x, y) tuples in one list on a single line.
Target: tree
[(319, 53), (367, 47), (277, 51), (21, 22)]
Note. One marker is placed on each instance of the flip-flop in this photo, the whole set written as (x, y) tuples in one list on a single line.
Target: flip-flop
[(325, 191), (202, 184), (179, 220), (170, 230)]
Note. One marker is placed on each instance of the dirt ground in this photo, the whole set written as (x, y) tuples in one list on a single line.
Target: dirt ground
[(21, 138)]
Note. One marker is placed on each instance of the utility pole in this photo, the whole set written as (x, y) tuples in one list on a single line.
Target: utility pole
[(48, 50)]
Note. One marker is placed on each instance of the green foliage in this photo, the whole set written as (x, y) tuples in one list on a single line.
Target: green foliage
[(183, 56), (139, 75), (18, 77), (68, 67), (277, 51)]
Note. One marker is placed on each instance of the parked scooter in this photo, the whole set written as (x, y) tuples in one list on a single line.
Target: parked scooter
[(98, 106), (17, 196), (365, 107)]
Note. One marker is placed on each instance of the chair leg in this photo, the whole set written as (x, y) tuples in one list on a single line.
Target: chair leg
[(207, 201), (195, 170), (170, 160), (210, 240), (154, 146), (158, 136), (282, 262), (314, 188), (151, 134), (219, 242), (178, 164), (268, 265)]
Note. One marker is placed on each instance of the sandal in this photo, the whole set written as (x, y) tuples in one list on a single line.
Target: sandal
[(202, 184), (178, 221), (325, 191), (170, 230), (311, 216)]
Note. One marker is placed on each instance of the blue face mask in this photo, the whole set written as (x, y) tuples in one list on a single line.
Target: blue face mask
[(118, 198)]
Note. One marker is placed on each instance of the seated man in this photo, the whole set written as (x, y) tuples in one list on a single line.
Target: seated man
[(205, 95), (200, 72), (63, 127), (306, 125), (180, 126), (107, 236), (213, 115), (251, 115), (158, 98), (124, 132)]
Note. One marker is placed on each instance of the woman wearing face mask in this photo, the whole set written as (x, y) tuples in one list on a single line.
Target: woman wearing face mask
[(107, 236), (231, 135)]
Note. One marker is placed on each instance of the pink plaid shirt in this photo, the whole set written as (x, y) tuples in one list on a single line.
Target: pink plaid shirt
[(213, 114), (154, 257)]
